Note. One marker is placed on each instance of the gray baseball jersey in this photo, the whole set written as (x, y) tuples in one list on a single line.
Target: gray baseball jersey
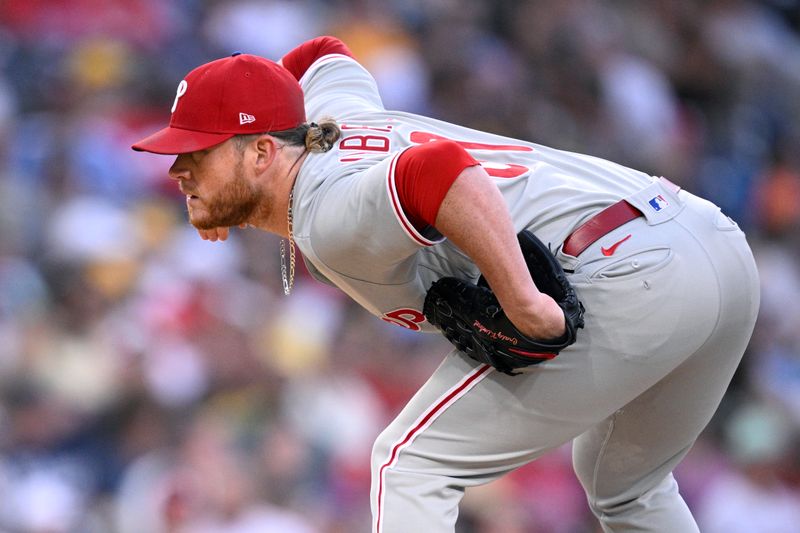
[(351, 228), (671, 299)]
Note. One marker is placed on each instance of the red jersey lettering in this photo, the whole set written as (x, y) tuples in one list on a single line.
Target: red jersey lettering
[(387, 129), (503, 170), (406, 318), (365, 143), (422, 137)]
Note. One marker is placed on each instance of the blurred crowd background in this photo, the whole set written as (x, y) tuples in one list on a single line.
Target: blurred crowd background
[(152, 382)]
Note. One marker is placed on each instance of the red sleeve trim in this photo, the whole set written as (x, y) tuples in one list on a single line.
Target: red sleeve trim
[(423, 176), (399, 213), (298, 60)]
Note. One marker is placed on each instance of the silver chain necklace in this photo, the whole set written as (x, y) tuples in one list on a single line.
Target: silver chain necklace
[(288, 279)]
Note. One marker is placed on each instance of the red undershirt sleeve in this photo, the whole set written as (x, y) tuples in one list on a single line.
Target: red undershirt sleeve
[(298, 60), (423, 176)]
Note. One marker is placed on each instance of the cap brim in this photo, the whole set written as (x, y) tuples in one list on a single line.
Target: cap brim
[(173, 141)]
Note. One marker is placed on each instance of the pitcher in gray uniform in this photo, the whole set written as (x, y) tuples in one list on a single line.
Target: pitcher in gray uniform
[(383, 203)]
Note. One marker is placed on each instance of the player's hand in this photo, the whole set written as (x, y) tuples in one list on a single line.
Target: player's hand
[(216, 234), (542, 320), (522, 331)]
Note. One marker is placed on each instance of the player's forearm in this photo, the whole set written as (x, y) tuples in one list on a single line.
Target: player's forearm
[(474, 217)]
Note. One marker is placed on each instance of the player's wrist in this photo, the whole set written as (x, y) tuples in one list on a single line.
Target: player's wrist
[(540, 318)]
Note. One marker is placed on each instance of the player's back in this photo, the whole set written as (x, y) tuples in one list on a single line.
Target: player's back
[(546, 189), (351, 226)]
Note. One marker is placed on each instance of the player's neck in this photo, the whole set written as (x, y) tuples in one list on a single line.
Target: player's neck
[(273, 216)]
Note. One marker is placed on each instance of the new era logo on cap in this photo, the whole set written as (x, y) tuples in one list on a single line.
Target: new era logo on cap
[(244, 118)]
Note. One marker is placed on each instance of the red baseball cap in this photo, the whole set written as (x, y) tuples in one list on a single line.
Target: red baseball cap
[(239, 94)]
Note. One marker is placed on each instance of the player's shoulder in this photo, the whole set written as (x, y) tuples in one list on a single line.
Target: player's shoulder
[(333, 65), (333, 59), (346, 210), (339, 86)]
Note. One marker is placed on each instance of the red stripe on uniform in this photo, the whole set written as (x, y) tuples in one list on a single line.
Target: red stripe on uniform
[(538, 355), (398, 209), (427, 419)]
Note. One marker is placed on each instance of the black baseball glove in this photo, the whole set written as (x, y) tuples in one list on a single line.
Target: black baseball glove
[(471, 318)]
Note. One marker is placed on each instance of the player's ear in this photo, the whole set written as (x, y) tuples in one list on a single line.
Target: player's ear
[(266, 148)]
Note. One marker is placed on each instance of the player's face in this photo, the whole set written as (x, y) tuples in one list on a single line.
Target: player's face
[(218, 193)]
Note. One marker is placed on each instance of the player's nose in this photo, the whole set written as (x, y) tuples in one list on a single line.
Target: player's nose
[(179, 170)]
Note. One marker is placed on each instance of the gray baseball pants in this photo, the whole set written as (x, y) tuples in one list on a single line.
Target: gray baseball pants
[(668, 317)]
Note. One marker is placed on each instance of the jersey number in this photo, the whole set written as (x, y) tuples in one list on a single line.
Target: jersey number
[(359, 146), (497, 170), (407, 318)]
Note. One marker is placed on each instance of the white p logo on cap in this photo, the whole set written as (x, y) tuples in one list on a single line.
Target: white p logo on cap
[(182, 86)]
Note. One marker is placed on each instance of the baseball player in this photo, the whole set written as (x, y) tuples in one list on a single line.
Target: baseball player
[(507, 247)]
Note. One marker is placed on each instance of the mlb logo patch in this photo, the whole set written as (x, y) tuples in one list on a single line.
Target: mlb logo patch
[(658, 203)]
